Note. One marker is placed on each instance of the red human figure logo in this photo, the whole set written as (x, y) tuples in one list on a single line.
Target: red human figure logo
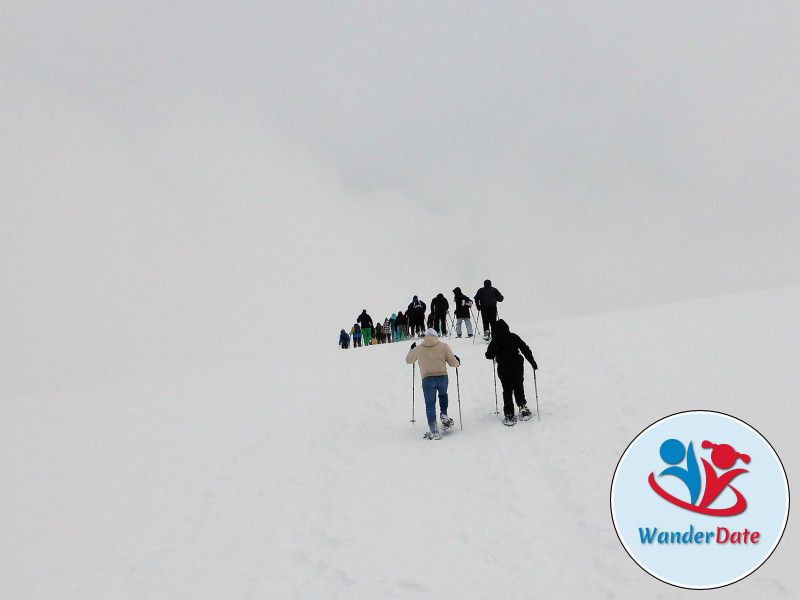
[(724, 457)]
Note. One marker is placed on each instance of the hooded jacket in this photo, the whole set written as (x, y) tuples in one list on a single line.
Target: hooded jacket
[(433, 356), (462, 304), (487, 297), (506, 347), (439, 306), (417, 307)]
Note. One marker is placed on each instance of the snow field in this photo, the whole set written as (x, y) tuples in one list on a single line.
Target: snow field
[(304, 478)]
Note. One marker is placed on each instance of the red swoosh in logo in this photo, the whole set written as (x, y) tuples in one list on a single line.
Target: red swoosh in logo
[(736, 509)]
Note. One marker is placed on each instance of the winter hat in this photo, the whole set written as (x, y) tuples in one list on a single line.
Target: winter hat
[(432, 332), (487, 283)]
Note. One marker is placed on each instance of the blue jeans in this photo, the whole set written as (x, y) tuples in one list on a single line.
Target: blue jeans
[(430, 386), (458, 326)]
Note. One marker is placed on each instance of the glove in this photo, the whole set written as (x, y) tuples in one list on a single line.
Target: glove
[(413, 345), (535, 366), (458, 359)]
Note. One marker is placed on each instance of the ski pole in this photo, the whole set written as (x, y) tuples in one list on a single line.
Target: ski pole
[(536, 389), (413, 389), (458, 390), (496, 409), (477, 329), (452, 326)]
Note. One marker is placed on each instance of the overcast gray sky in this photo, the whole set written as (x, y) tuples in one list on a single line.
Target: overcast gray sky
[(176, 176)]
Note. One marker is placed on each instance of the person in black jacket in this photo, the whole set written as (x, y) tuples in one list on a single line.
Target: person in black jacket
[(463, 304), (416, 316), (366, 326), (505, 348), (486, 302), (402, 326), (439, 309)]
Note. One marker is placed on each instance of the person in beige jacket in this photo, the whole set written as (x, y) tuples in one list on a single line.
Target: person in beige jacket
[(434, 356)]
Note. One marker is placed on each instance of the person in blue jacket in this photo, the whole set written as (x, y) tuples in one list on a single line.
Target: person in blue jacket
[(357, 336), (344, 339)]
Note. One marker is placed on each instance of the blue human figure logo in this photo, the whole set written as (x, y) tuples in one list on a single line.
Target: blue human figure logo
[(672, 452)]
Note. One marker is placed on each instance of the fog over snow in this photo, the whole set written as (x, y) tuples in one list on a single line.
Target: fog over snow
[(218, 189), (189, 185)]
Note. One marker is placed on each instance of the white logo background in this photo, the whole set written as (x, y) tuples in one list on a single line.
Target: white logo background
[(635, 505)]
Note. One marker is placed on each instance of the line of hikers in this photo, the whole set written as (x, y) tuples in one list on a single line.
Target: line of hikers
[(400, 326)]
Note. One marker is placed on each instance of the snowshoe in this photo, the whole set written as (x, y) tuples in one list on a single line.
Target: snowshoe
[(447, 422), (432, 435), (525, 413), (510, 421)]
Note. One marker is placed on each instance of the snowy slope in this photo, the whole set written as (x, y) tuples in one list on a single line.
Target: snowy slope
[(304, 478)]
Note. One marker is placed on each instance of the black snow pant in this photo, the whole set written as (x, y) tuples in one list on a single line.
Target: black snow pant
[(489, 316), (418, 326), (440, 324), (512, 377)]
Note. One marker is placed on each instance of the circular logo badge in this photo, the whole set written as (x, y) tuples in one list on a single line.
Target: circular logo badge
[(700, 499)]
